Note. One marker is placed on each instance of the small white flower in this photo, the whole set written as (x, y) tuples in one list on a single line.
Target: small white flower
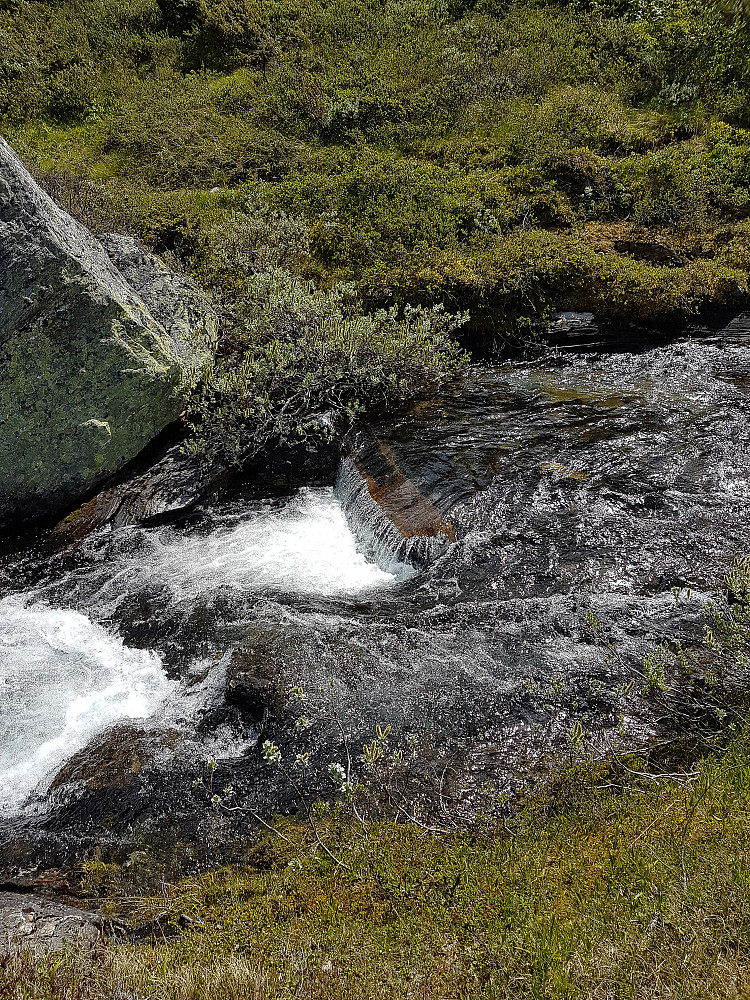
[(215, 800), (271, 752), (302, 723), (228, 790), (337, 773), (211, 763), (302, 760)]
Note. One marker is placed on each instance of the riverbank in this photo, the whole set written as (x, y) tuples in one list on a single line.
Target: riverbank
[(510, 160), (607, 885)]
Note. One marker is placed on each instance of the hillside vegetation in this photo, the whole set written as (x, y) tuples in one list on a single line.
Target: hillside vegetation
[(507, 158)]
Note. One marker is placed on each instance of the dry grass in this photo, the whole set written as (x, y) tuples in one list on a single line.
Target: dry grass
[(639, 895)]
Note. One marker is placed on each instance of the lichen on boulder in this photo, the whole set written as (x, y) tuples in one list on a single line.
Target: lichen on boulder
[(88, 375)]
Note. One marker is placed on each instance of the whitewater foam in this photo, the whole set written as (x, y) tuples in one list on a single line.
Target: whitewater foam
[(63, 679), (303, 546)]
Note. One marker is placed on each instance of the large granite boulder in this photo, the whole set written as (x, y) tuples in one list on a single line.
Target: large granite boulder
[(88, 373)]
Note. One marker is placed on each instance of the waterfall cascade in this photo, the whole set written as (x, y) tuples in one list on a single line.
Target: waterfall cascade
[(395, 525)]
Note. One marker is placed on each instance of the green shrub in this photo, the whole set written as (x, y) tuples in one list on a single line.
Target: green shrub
[(312, 358), (415, 139)]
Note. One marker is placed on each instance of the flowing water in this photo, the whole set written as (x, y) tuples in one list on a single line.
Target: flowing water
[(614, 487)]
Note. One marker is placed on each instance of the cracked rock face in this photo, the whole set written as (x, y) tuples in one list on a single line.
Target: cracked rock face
[(27, 921), (89, 372)]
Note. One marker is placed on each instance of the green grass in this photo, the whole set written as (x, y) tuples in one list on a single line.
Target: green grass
[(468, 153), (640, 892)]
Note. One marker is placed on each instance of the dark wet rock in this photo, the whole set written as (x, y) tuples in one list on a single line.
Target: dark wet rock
[(260, 673), (568, 328), (170, 479), (175, 482), (29, 922), (395, 522), (117, 758), (651, 251), (310, 463), (254, 681), (88, 376), (724, 327)]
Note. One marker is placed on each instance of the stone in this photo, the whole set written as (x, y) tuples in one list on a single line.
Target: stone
[(174, 482), (254, 678), (172, 299), (116, 758), (89, 375), (396, 525), (31, 923)]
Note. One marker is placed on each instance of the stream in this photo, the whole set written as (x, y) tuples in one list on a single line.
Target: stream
[(577, 487)]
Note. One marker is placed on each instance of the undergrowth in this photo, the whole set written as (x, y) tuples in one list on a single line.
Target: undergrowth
[(510, 159), (635, 893)]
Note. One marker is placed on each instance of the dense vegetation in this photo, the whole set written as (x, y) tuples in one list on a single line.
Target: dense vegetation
[(509, 158)]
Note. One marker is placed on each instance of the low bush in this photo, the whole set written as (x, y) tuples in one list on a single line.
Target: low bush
[(413, 138), (296, 359)]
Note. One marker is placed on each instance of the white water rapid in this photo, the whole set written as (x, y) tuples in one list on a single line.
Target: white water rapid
[(64, 677), (304, 546)]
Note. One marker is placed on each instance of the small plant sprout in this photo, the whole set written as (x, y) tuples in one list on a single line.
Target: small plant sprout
[(211, 764), (228, 790), (337, 773), (577, 736), (654, 678), (738, 581), (302, 723), (271, 752), (302, 761), (215, 800), (298, 693), (592, 624), (382, 734), (372, 752), (556, 688)]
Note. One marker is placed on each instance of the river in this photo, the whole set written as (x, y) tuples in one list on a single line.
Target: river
[(585, 501)]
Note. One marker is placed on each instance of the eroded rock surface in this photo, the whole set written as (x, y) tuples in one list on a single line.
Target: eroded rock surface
[(174, 482), (88, 375), (30, 922)]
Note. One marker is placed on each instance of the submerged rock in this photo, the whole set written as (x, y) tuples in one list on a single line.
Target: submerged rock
[(117, 758), (397, 525), (88, 375)]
